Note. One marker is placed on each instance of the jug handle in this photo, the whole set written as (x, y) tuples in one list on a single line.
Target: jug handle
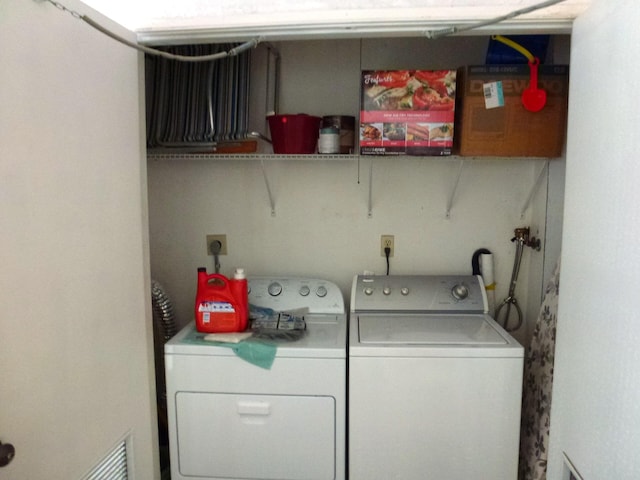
[(217, 276)]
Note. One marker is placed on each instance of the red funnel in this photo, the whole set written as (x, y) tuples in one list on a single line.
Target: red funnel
[(533, 98)]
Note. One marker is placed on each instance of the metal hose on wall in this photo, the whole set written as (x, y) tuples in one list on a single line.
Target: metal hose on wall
[(164, 327), (162, 311)]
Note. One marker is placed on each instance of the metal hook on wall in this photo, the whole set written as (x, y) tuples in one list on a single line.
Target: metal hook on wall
[(522, 235)]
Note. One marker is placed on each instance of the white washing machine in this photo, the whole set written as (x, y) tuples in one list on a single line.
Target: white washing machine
[(434, 382), (232, 419)]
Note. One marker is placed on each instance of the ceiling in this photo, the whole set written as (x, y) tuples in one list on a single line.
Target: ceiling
[(157, 21)]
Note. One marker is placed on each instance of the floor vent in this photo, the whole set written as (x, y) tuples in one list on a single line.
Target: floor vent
[(113, 466)]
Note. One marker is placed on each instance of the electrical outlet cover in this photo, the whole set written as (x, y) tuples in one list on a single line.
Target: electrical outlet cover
[(386, 241), (222, 238)]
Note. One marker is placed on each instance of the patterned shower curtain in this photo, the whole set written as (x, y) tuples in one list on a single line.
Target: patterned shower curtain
[(538, 379)]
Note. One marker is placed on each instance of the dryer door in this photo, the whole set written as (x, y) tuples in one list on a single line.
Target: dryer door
[(287, 437)]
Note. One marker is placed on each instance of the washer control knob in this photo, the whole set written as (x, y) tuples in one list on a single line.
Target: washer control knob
[(321, 291), (274, 289), (386, 290), (460, 291), (404, 291), (304, 290), (368, 291)]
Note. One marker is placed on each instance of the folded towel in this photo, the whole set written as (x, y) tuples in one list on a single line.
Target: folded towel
[(234, 337), (258, 353), (255, 351)]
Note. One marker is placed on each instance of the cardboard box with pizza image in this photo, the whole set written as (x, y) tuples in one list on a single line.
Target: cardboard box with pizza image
[(407, 112)]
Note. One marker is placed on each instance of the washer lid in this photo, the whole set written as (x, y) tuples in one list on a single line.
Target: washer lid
[(428, 330)]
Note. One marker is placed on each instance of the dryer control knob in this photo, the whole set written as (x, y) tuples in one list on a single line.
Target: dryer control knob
[(460, 292), (321, 291), (274, 289), (304, 291), (386, 290), (368, 291), (404, 291)]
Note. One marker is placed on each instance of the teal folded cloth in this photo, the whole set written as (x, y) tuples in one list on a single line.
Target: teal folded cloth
[(255, 351)]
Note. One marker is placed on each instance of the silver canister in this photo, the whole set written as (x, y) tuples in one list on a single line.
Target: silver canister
[(346, 126), (329, 140)]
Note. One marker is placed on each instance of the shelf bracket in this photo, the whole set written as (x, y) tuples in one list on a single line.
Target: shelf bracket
[(370, 212), (534, 189), (454, 188), (266, 182)]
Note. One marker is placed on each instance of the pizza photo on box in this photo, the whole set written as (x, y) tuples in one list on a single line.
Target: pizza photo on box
[(408, 90), (415, 108)]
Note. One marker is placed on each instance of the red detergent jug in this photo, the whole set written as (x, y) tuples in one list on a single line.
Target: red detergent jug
[(222, 304)]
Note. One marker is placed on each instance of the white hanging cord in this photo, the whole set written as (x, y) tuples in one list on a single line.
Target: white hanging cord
[(153, 51), (433, 34)]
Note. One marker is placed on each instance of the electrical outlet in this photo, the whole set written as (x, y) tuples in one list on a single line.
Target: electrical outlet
[(223, 244), (386, 241)]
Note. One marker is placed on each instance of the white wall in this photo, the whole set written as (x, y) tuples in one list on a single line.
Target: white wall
[(595, 416), (321, 225), (548, 214)]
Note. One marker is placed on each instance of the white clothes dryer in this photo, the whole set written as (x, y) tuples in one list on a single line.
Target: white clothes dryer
[(434, 382), (231, 419)]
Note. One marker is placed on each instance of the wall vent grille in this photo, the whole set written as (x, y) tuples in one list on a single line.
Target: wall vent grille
[(113, 467)]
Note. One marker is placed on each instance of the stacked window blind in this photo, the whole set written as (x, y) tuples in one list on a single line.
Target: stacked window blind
[(197, 103)]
